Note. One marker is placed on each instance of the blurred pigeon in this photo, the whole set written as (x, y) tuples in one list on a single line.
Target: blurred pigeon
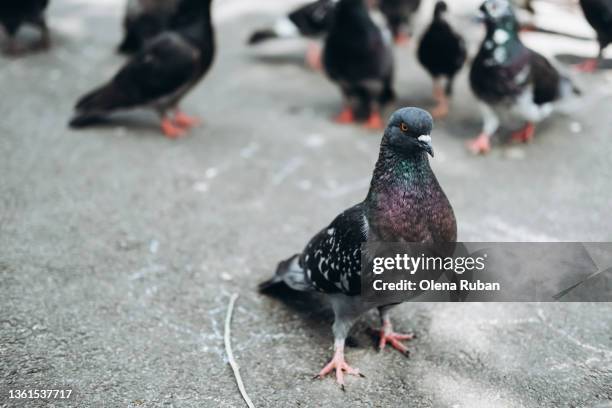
[(358, 56), (159, 75), (311, 20), (599, 15), (14, 13), (442, 52), (399, 16), (144, 19), (405, 203), (510, 79)]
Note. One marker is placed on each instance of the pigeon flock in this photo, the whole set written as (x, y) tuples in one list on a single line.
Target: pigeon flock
[(170, 47)]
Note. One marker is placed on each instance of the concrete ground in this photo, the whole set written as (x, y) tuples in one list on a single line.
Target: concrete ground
[(119, 248)]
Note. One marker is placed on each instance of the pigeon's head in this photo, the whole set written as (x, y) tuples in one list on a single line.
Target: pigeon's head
[(440, 9), (409, 131), (498, 14)]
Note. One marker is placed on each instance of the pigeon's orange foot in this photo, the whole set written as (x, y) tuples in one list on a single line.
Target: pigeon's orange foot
[(402, 39), (374, 122), (440, 111), (480, 145), (171, 130), (339, 365), (525, 135), (346, 116), (184, 121), (313, 57), (394, 339), (587, 66)]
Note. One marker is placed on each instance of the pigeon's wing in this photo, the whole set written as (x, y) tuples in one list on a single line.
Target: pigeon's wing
[(332, 259), (313, 18), (163, 67), (546, 80)]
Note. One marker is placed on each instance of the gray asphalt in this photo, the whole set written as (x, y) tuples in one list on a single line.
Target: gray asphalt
[(119, 248)]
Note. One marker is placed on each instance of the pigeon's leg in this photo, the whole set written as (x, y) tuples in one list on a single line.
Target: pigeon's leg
[(169, 128), (482, 143), (591, 64), (45, 39), (525, 135), (313, 56), (387, 335), (346, 116), (345, 314), (12, 47), (439, 94), (185, 121), (374, 121)]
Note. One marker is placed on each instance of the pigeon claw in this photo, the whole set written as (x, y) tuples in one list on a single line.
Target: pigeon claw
[(184, 121), (480, 144), (345, 117), (339, 366), (374, 122), (171, 130), (588, 66), (525, 135), (395, 340)]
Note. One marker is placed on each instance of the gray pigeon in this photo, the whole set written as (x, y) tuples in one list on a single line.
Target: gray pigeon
[(405, 203)]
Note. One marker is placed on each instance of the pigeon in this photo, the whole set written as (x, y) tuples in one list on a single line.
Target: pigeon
[(13, 13), (512, 80), (311, 20), (405, 203), (145, 19), (399, 15), (599, 15), (159, 75), (442, 52), (358, 56)]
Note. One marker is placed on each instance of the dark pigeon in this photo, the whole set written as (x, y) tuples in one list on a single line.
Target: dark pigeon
[(512, 80), (442, 52), (14, 13), (311, 20), (405, 203), (143, 21), (159, 75), (358, 56), (399, 15), (599, 15)]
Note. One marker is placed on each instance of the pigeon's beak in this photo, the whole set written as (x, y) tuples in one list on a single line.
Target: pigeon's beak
[(425, 143)]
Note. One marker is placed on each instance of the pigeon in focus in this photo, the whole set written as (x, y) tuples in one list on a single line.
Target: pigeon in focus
[(399, 15), (358, 56), (311, 20), (159, 75), (442, 52), (511, 80), (145, 19), (599, 15), (405, 203), (14, 13)]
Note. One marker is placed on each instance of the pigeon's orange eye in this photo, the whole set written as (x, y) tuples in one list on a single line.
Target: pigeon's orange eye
[(403, 127)]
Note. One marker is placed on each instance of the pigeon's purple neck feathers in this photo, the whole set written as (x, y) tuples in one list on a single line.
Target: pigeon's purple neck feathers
[(405, 197)]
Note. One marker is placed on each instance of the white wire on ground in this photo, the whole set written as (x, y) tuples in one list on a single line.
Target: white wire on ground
[(230, 355)]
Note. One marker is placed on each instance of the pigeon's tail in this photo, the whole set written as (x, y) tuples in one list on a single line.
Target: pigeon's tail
[(283, 28), (289, 274), (96, 104)]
